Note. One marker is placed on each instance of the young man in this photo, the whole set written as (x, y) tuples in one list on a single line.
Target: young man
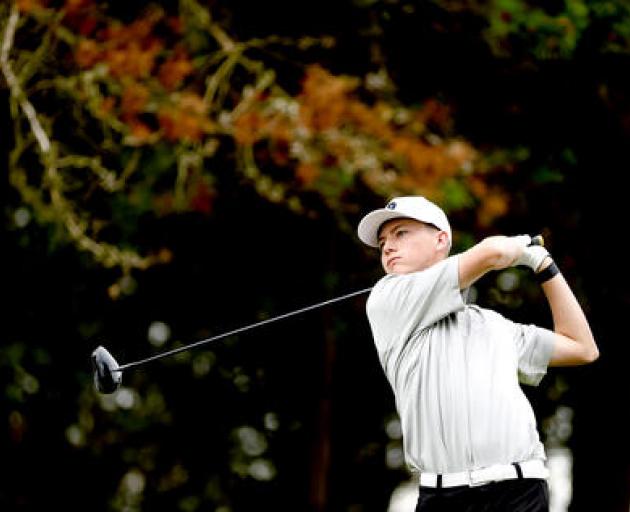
[(468, 429)]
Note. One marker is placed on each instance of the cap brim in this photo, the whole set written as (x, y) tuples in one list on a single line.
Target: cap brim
[(370, 224)]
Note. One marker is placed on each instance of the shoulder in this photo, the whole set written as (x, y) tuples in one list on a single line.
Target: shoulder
[(447, 266), (393, 290)]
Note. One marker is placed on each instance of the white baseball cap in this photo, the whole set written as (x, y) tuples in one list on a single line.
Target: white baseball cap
[(412, 207)]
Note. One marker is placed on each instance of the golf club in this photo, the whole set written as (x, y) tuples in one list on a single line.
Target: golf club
[(108, 373)]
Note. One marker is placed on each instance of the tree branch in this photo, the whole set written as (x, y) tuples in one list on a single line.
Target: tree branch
[(14, 85)]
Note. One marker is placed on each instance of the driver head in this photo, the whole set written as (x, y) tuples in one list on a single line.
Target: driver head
[(107, 377)]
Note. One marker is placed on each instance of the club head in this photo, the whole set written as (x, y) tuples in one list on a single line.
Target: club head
[(107, 377)]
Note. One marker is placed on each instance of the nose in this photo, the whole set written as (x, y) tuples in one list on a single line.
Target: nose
[(388, 246)]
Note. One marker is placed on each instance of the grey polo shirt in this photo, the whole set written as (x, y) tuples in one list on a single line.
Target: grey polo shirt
[(455, 371)]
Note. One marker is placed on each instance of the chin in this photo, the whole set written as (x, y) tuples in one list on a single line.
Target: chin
[(406, 269)]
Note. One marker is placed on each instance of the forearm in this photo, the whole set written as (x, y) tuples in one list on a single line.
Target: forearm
[(492, 253), (575, 344)]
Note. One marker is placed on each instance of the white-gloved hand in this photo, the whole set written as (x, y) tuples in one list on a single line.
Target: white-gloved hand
[(532, 257), (522, 240)]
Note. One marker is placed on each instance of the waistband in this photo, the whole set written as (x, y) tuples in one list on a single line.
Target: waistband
[(534, 468)]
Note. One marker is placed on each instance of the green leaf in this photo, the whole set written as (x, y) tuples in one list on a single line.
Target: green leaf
[(546, 174), (456, 195)]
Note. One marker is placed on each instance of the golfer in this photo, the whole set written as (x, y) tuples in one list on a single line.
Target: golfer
[(468, 429)]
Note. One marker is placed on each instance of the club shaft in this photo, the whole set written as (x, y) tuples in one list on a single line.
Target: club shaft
[(242, 329), (537, 240)]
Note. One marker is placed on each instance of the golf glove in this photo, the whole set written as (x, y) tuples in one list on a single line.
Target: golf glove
[(523, 240), (532, 257)]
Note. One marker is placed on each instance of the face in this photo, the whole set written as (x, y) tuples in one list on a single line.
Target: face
[(408, 245)]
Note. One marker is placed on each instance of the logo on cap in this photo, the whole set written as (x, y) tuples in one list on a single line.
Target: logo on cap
[(391, 206)]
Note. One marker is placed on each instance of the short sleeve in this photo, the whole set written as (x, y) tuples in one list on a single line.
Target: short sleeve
[(535, 347)]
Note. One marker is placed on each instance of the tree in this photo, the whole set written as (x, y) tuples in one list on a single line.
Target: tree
[(158, 103)]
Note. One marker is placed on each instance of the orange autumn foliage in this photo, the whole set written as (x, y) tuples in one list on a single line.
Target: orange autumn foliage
[(88, 53), (132, 60), (307, 173), (338, 130), (134, 98), (133, 55), (27, 6), (174, 71), (140, 133), (249, 127), (128, 50), (494, 205), (329, 122), (323, 100), (185, 119), (106, 106)]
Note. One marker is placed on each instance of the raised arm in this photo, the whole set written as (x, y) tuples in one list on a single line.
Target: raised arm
[(575, 344)]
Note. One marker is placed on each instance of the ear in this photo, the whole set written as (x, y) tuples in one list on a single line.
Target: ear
[(442, 241)]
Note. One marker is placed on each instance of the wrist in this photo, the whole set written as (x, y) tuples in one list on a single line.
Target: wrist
[(548, 270), (545, 264)]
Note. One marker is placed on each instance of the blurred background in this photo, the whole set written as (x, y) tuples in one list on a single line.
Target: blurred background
[(173, 170)]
